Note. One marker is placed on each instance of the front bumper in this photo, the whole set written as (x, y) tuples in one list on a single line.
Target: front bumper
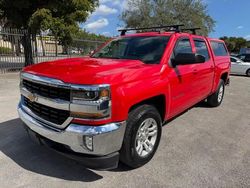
[(105, 162), (106, 139)]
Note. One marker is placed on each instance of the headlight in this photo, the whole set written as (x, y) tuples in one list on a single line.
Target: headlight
[(90, 102), (79, 96)]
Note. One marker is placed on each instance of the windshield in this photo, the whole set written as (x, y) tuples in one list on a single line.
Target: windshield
[(235, 59), (148, 49)]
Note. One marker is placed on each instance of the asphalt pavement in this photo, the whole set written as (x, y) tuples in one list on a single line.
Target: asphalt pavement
[(203, 147)]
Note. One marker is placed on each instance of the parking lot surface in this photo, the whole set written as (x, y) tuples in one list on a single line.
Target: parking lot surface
[(203, 147)]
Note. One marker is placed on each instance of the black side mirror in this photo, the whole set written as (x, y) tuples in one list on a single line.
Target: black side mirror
[(188, 58)]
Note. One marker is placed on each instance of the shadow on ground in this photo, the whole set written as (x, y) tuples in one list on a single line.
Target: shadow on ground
[(15, 144)]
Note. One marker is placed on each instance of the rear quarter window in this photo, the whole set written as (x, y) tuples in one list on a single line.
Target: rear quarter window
[(201, 48), (219, 48)]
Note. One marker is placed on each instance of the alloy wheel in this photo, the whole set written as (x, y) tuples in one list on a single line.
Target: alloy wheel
[(146, 137)]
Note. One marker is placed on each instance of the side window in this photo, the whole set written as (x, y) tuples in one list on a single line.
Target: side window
[(233, 60), (242, 57), (183, 46), (247, 57), (219, 49), (201, 48)]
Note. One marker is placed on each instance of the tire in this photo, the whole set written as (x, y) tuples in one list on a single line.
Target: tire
[(248, 72), (131, 153), (216, 99)]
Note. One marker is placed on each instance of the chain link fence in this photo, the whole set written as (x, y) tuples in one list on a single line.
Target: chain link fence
[(39, 48)]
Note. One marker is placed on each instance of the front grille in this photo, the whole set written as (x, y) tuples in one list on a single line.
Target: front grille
[(47, 91), (50, 114)]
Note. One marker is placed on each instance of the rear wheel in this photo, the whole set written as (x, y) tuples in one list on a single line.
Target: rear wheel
[(215, 99), (142, 136), (248, 72)]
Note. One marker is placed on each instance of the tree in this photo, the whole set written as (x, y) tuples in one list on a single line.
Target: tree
[(60, 17), (92, 42), (146, 13), (234, 44), (83, 34)]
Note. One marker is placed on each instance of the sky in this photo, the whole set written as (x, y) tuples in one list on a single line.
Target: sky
[(232, 17)]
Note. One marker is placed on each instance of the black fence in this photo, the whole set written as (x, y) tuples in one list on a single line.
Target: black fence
[(39, 48), (11, 49)]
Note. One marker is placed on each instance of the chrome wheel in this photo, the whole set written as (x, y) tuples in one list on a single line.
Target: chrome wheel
[(220, 94), (146, 137)]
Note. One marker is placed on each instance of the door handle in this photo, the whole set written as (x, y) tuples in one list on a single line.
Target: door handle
[(195, 71), (212, 67)]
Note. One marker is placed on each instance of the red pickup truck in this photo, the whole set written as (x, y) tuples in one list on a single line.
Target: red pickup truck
[(111, 106)]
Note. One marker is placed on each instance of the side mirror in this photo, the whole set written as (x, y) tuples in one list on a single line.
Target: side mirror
[(188, 58)]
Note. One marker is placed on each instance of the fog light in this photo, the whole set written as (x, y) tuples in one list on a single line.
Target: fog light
[(88, 140)]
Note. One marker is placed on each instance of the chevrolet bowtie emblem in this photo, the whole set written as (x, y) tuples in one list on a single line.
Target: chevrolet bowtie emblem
[(32, 97)]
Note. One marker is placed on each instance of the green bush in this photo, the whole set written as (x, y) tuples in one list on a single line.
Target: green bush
[(5, 50)]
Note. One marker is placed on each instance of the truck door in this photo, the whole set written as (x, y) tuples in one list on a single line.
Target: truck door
[(181, 78), (203, 72)]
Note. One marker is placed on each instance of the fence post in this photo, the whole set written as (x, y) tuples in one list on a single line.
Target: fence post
[(28, 50)]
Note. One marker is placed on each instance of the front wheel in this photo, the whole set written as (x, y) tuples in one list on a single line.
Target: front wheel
[(142, 136), (215, 99), (248, 72)]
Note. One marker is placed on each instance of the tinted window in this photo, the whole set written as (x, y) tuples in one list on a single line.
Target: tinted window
[(233, 60), (244, 57), (219, 49), (201, 48), (183, 46), (147, 49), (247, 57)]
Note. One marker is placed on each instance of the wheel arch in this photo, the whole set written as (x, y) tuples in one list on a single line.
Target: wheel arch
[(159, 102), (224, 77), (247, 70)]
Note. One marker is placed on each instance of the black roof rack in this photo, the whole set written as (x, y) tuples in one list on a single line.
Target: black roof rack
[(175, 28), (193, 30)]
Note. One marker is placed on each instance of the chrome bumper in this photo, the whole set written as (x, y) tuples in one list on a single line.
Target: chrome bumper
[(105, 139)]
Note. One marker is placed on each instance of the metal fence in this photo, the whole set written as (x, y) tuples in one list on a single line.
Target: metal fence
[(11, 49), (42, 48)]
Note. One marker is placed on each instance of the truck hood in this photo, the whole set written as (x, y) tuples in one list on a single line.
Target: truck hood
[(87, 70)]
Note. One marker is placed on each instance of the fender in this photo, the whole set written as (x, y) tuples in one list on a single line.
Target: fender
[(127, 95), (221, 69)]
